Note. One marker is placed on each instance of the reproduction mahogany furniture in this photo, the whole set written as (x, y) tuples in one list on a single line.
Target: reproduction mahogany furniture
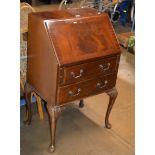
[(72, 54)]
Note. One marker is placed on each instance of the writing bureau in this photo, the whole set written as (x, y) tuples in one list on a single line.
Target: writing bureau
[(72, 54)]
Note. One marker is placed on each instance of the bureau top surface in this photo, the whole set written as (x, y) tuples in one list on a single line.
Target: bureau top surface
[(79, 34)]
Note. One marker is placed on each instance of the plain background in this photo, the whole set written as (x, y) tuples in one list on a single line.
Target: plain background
[(10, 78)]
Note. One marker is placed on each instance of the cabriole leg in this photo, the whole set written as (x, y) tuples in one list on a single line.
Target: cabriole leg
[(112, 97), (81, 104), (27, 93), (54, 113)]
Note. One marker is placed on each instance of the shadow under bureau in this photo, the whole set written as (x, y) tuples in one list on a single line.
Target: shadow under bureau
[(72, 54)]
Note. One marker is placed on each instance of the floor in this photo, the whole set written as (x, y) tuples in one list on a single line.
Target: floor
[(81, 131)]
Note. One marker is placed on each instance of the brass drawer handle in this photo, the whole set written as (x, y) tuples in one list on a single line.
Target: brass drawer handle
[(77, 76), (76, 93), (104, 67), (102, 85)]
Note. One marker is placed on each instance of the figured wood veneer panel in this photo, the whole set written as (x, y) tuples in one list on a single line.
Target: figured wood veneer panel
[(79, 39)]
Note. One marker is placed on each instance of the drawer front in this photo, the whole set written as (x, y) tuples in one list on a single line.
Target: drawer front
[(86, 88), (88, 70)]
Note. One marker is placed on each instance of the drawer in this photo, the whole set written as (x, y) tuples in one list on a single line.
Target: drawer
[(85, 89), (87, 70)]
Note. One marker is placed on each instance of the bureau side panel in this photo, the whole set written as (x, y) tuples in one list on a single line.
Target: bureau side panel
[(42, 64)]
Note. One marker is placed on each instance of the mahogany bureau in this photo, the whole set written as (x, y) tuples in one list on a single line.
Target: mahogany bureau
[(72, 54)]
